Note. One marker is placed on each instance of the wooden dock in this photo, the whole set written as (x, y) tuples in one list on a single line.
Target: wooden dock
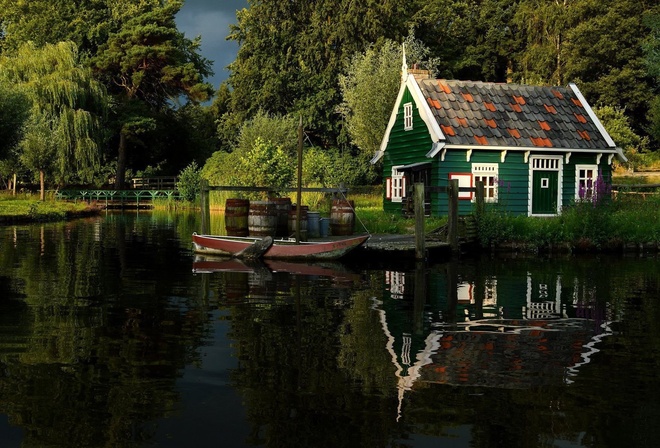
[(403, 246)]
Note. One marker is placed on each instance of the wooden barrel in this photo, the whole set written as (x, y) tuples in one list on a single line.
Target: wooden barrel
[(282, 209), (262, 218), (303, 221), (236, 217), (342, 217)]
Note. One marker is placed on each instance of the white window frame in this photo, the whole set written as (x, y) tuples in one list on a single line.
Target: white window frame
[(590, 192), (398, 184), (407, 117), (489, 174)]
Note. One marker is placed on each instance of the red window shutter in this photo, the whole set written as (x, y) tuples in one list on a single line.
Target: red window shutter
[(388, 188)]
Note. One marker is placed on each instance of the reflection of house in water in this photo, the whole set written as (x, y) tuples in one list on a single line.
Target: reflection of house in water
[(512, 331)]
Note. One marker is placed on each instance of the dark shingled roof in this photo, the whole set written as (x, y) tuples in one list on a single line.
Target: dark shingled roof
[(478, 113)]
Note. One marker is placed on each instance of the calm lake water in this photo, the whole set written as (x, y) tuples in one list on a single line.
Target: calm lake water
[(113, 335)]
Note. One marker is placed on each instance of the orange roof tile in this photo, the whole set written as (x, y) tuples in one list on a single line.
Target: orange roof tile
[(516, 107), (481, 140), (544, 125), (462, 121), (581, 118), (514, 133), (576, 102), (584, 134), (447, 130), (444, 87), (557, 94), (434, 103), (519, 100), (550, 108), (490, 106), (490, 123), (540, 141), (468, 97)]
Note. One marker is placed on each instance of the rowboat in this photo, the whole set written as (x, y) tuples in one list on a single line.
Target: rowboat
[(204, 264), (234, 246)]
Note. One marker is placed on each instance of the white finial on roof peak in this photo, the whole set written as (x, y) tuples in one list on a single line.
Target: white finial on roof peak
[(404, 64)]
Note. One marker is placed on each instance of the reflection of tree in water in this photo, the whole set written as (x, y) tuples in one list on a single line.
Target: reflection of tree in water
[(93, 355), (299, 388)]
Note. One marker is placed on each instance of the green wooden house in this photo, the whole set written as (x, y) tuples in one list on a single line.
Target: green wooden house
[(536, 149)]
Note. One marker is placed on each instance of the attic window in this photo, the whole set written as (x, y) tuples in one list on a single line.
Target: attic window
[(407, 117)]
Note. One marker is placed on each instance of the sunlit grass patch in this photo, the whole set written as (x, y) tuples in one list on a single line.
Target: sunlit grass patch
[(26, 207)]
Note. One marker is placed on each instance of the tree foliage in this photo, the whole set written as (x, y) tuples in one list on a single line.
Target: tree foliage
[(189, 183), (263, 165), (14, 108), (618, 126), (148, 65), (65, 130), (291, 54)]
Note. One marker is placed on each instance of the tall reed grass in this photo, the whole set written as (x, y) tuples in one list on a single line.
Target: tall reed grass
[(583, 225)]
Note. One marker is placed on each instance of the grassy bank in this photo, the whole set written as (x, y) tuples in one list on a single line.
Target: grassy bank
[(28, 208), (613, 225)]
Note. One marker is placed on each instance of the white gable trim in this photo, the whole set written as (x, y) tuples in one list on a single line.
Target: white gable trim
[(599, 125), (390, 124), (424, 112)]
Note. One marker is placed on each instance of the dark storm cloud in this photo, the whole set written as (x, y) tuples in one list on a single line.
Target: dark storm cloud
[(211, 19)]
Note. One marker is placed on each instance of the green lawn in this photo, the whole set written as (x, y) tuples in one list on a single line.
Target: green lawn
[(30, 208)]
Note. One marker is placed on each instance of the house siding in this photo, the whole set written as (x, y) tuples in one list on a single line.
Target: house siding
[(605, 169), (513, 180), (405, 147)]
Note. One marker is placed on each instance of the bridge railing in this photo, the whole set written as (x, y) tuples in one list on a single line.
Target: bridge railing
[(154, 183)]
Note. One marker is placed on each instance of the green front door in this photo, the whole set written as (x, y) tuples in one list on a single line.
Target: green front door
[(544, 193)]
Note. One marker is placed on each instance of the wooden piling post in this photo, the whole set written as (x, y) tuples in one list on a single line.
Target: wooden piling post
[(479, 198), (205, 206), (452, 216), (420, 250)]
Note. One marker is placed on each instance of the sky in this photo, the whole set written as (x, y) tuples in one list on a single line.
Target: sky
[(211, 19)]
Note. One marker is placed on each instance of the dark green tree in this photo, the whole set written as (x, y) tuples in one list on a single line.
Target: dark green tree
[(149, 66), (652, 58), (473, 39), (291, 54), (605, 56), (88, 23)]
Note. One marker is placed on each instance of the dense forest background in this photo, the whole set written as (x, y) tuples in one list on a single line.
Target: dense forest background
[(97, 91)]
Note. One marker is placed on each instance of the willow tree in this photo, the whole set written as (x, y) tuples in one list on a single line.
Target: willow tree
[(63, 135)]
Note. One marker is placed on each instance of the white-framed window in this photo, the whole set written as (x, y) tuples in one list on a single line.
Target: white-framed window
[(397, 283), (396, 185), (407, 117), (464, 181), (488, 174), (585, 181)]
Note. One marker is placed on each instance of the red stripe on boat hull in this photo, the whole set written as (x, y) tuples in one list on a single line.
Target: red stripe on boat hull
[(326, 250)]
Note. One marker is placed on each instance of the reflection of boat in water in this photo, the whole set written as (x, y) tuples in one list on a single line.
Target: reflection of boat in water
[(280, 249), (206, 264)]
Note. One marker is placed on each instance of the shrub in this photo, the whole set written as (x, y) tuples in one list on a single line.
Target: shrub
[(189, 183)]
